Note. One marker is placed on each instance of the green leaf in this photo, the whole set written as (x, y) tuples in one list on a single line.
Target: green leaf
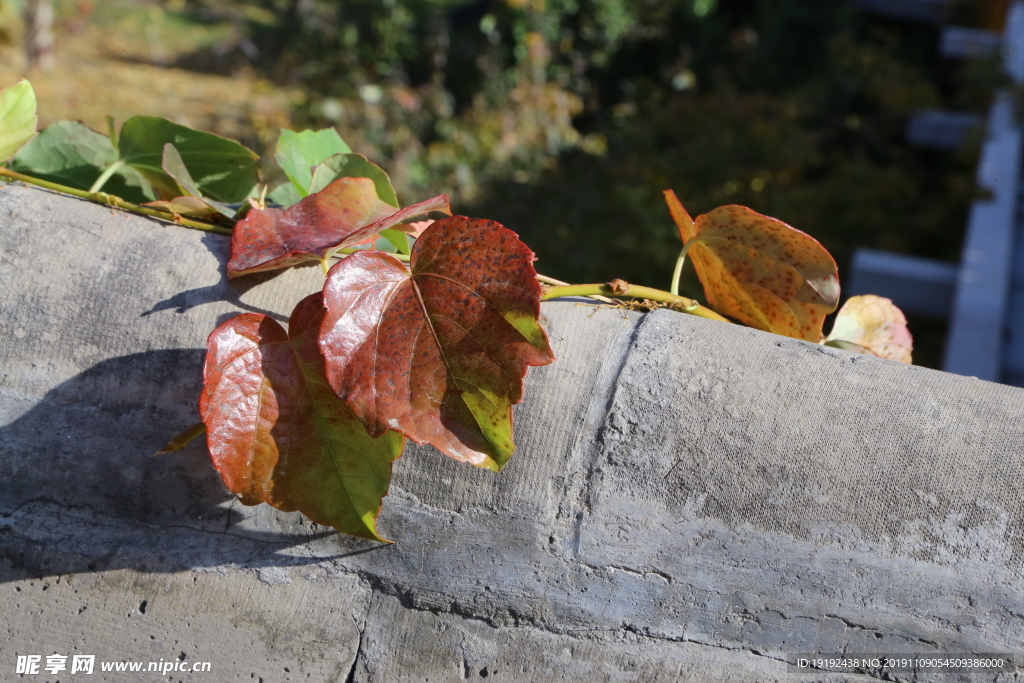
[(397, 238), (277, 433), (17, 118), (222, 169), (72, 154), (358, 166), (353, 166), (175, 167), (286, 195), (298, 153), (112, 133)]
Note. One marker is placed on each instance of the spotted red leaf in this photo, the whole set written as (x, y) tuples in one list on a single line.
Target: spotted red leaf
[(278, 434), (345, 213), (759, 270), (438, 352)]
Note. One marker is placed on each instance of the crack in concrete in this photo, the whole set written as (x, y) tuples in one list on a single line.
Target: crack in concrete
[(407, 599), (608, 387), (643, 574), (846, 622), (410, 598), (361, 628), (351, 677)]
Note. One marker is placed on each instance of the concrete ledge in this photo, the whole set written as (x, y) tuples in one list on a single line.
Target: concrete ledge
[(690, 499)]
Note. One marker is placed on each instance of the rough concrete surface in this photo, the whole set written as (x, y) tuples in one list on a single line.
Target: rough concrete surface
[(690, 500)]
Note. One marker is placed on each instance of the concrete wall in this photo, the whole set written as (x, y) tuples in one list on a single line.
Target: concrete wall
[(690, 500)]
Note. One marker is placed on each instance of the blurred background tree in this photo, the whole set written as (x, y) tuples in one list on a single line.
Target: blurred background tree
[(565, 119)]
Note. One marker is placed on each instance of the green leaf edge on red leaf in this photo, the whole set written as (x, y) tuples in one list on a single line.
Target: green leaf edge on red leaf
[(281, 484), (344, 340)]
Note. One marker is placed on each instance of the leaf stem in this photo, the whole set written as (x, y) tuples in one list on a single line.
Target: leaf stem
[(183, 439), (680, 262), (111, 200), (550, 280), (105, 176), (620, 288)]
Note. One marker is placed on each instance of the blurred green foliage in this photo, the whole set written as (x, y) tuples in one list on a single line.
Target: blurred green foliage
[(565, 119)]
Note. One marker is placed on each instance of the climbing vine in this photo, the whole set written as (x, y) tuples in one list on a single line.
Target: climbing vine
[(425, 327)]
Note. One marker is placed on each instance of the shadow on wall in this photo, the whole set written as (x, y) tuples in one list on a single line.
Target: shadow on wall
[(82, 491), (227, 290)]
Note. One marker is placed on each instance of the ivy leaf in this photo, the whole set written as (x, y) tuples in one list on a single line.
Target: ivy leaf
[(353, 166), (346, 213), (298, 153), (874, 324), (759, 270), (222, 169), (286, 195), (72, 154), (174, 166), (278, 434), (17, 118), (189, 207), (438, 353), (358, 166)]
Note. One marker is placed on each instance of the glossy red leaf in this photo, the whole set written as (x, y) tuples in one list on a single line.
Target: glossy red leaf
[(438, 352), (345, 213), (759, 270), (278, 434)]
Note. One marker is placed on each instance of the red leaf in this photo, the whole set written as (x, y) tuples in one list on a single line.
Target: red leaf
[(279, 435), (438, 353), (343, 214)]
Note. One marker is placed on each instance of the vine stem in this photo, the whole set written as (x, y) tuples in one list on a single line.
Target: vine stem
[(111, 200), (557, 288), (620, 288), (552, 281)]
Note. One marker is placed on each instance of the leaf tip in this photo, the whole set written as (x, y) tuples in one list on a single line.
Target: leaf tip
[(680, 216)]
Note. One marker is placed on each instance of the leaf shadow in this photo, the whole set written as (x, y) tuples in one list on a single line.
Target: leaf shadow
[(83, 493), (227, 290)]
